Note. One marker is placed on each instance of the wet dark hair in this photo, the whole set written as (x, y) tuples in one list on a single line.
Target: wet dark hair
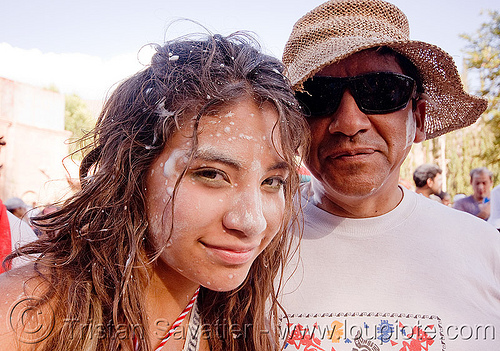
[(96, 249)]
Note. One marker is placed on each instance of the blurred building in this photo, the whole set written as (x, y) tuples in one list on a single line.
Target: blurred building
[(32, 123)]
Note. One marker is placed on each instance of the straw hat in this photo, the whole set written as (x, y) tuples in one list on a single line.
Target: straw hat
[(339, 28)]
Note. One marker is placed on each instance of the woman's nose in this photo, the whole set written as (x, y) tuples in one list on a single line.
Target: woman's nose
[(246, 214)]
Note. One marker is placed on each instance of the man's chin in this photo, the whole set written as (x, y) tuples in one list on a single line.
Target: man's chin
[(352, 187)]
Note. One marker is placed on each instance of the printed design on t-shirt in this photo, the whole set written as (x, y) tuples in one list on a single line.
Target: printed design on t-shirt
[(362, 331)]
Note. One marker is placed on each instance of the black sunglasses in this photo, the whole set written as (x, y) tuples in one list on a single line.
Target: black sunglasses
[(374, 93)]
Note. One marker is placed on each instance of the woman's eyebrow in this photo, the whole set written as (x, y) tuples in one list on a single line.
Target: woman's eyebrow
[(212, 155), (279, 165)]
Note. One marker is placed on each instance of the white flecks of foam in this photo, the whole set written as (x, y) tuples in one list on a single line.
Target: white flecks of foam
[(227, 130), (247, 137), (169, 167), (170, 191), (163, 112), (411, 129), (317, 190)]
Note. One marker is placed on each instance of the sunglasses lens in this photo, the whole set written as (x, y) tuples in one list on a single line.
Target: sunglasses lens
[(382, 92), (321, 97), (375, 93)]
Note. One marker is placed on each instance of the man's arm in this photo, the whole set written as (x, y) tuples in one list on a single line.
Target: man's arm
[(484, 212)]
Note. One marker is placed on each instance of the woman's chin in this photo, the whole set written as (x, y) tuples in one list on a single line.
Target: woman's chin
[(230, 281)]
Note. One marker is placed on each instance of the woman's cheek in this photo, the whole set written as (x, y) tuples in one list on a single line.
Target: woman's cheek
[(274, 211)]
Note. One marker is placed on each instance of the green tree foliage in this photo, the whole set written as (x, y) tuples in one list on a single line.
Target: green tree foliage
[(483, 58), (78, 120), (479, 144)]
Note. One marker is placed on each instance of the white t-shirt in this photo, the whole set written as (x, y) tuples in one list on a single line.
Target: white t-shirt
[(495, 207), (421, 277)]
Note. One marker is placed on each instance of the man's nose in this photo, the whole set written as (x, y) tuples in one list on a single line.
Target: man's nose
[(348, 119)]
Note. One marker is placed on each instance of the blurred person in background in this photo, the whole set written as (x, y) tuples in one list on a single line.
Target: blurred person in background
[(478, 204), (428, 181), (13, 231)]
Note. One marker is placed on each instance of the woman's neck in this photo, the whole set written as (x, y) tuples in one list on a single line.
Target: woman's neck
[(166, 296)]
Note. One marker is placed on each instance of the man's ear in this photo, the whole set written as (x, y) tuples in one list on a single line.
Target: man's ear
[(430, 182), (419, 114)]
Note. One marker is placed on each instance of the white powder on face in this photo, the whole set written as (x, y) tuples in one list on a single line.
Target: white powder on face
[(169, 167), (255, 166), (170, 191), (318, 190), (247, 137), (411, 129), (249, 217)]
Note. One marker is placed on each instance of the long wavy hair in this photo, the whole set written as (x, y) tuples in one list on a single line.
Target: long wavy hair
[(95, 251)]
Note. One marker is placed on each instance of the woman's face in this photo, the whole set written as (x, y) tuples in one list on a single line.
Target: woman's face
[(227, 207)]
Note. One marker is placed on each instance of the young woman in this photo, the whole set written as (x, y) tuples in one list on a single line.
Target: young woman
[(186, 198)]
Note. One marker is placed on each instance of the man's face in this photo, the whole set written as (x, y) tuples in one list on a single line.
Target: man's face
[(481, 184), (435, 184), (353, 154)]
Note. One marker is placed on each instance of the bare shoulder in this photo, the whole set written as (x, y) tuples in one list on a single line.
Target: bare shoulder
[(24, 320)]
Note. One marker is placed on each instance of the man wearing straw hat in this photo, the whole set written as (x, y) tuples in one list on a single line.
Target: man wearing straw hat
[(379, 267)]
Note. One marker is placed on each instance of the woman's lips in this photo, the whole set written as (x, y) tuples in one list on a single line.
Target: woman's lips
[(230, 255)]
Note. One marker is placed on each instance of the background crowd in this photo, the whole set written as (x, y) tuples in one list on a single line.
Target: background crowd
[(484, 202)]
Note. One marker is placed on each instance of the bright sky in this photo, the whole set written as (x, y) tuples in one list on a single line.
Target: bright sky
[(85, 47)]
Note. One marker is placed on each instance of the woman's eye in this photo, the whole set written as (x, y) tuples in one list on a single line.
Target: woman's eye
[(210, 175), (275, 183)]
